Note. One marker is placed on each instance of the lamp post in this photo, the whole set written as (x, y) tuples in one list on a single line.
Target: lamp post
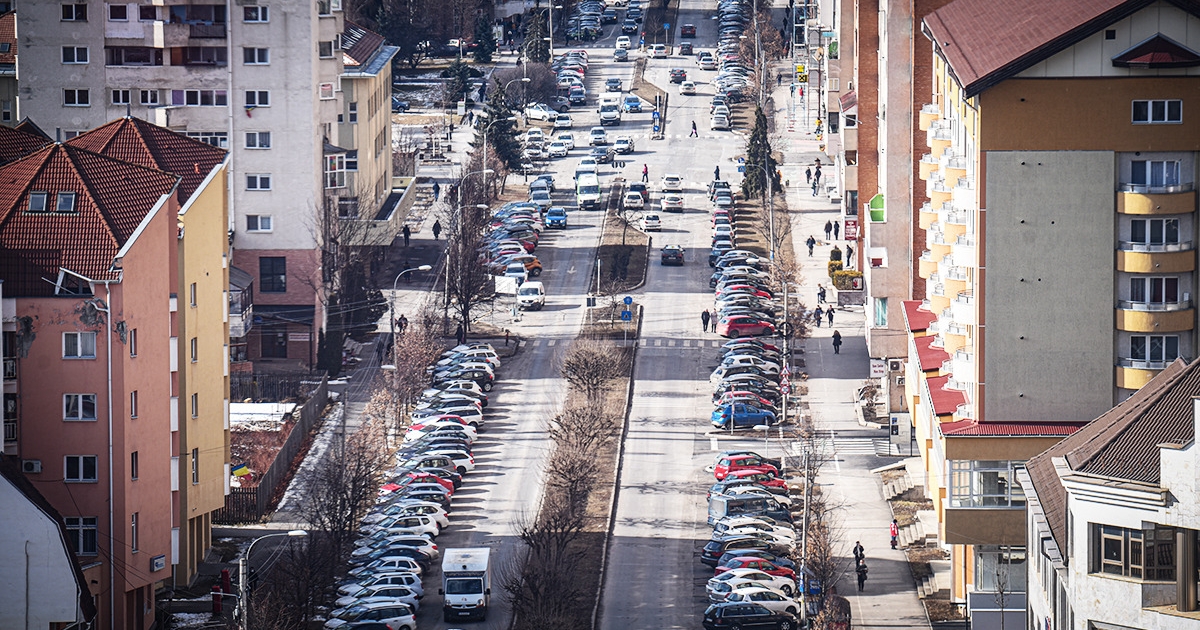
[(242, 570), (517, 80), (551, 38), (454, 227), (392, 310)]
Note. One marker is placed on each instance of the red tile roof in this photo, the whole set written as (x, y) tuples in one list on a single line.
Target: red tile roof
[(976, 428), (1159, 51), (28, 126), (930, 357), (139, 142), (916, 318), (359, 43), (945, 401), (987, 41), (8, 35), (112, 198), (16, 144)]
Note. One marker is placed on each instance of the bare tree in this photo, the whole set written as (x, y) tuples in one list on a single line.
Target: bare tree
[(590, 366), (344, 489), (405, 146), (542, 85), (584, 427)]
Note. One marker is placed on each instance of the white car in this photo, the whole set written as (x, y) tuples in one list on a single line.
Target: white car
[(478, 354), (782, 584), (743, 524), (396, 512), (660, 51), (623, 144), (633, 200), (719, 122), (395, 614), (389, 564), (764, 597), (412, 524), (562, 121), (623, 42), (411, 580), (539, 111), (565, 138), (651, 223), (558, 149), (672, 183), (722, 231), (707, 63), (672, 202), (687, 87), (720, 110), (446, 401), (383, 592), (535, 135), (419, 431), (744, 359)]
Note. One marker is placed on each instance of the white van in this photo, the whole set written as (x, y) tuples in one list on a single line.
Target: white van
[(532, 295)]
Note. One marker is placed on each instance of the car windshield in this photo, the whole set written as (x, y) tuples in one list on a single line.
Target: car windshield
[(529, 291), (464, 586)]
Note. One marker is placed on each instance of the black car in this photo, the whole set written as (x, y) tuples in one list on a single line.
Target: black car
[(686, 48), (630, 27), (633, 14), (678, 75), (672, 255), (482, 378), (714, 549), (612, 85), (602, 154), (640, 189), (609, 16), (620, 54), (747, 616)]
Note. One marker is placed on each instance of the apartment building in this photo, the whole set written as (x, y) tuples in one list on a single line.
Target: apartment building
[(1113, 515), (1061, 228), (9, 114), (262, 80)]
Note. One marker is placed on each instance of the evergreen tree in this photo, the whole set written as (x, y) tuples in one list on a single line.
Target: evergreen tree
[(758, 154), (485, 38), (501, 133), (459, 84), (537, 49)]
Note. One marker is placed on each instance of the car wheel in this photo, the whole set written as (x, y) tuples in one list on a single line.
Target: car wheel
[(791, 611), (536, 272), (487, 387), (734, 333), (787, 589), (785, 625), (462, 470), (735, 627)]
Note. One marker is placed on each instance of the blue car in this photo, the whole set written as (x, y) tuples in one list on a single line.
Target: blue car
[(556, 217), (744, 416)]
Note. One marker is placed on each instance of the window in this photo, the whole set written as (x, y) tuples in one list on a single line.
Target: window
[(256, 15), (1155, 173), (353, 110), (37, 201), (258, 181), (199, 98), (335, 171), (880, 310), (133, 532), (133, 343), (199, 56), (1159, 112), (323, 7), (137, 56), (192, 294), (82, 533), (79, 345), (258, 139), (74, 12), (1154, 290), (347, 207), (325, 50), (219, 139), (195, 349), (195, 465), (352, 160), (120, 97), (133, 465), (195, 405), (977, 483), (118, 13), (1133, 553), (148, 97), (325, 91), (256, 56), (258, 98), (79, 407), (997, 566), (80, 468), (147, 13), (1154, 231), (77, 98), (133, 404), (258, 223), (74, 54), (66, 202), (6, 111), (1154, 348), (272, 274)]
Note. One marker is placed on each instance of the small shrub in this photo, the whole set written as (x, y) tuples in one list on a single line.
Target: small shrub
[(835, 253), (844, 280), (834, 267)]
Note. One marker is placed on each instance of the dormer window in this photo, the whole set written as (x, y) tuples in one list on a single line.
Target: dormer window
[(37, 201), (66, 202)]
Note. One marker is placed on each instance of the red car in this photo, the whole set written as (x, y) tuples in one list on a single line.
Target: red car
[(423, 477), (744, 397), (738, 463), (751, 340), (750, 562), (687, 30), (739, 325), (766, 479), (743, 288)]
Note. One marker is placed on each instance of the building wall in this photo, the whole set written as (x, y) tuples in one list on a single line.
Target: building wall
[(38, 587), (372, 183), (301, 265), (204, 262)]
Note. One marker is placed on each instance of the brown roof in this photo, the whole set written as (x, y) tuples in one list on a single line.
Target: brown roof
[(8, 35), (28, 126), (359, 43), (975, 428), (1159, 51), (1122, 443), (139, 142), (16, 143), (917, 318), (112, 197), (987, 41)]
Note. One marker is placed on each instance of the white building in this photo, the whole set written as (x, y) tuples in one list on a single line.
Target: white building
[(1114, 512)]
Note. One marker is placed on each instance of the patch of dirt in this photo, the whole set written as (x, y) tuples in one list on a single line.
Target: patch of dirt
[(889, 476), (916, 494), (943, 610), (918, 560)]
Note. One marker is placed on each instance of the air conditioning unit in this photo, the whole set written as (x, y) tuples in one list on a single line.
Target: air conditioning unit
[(895, 365), (31, 466)]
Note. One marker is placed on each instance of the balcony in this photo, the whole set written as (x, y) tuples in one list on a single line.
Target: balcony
[(939, 141), (954, 222), (241, 303), (208, 31), (929, 114), (1135, 199), (927, 167), (927, 215), (938, 298), (955, 278), (1177, 261), (1143, 317), (10, 369), (381, 229), (10, 431), (962, 366), (956, 167), (963, 251), (1134, 374), (927, 265), (954, 336), (963, 309), (940, 194), (937, 242), (1129, 246)]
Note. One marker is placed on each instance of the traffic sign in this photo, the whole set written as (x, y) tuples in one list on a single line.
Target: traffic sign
[(655, 115), (628, 300), (787, 330), (656, 127), (787, 370), (626, 316), (666, 26), (785, 387)]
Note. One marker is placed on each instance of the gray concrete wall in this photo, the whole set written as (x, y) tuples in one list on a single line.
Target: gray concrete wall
[(1047, 302)]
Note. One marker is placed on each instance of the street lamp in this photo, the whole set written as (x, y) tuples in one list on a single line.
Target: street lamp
[(766, 431), (552, 8), (242, 578), (517, 80), (393, 303)]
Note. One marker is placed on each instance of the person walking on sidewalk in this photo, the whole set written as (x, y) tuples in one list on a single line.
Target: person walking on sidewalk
[(407, 235), (828, 229), (817, 175), (717, 172), (810, 242), (818, 315), (814, 187), (779, 79), (894, 530), (437, 190), (837, 342), (820, 294), (704, 317), (860, 554), (808, 175), (645, 173), (829, 315), (437, 229), (837, 227), (694, 134), (862, 575)]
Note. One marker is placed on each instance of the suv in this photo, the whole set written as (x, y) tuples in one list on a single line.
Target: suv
[(623, 145), (556, 217), (632, 104), (397, 615), (687, 30), (747, 615), (531, 295), (597, 136), (672, 255), (672, 183), (678, 75)]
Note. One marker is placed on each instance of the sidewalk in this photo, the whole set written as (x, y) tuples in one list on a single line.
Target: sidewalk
[(890, 597)]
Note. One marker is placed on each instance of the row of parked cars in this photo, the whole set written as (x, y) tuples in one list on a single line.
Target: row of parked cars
[(516, 230), (396, 545)]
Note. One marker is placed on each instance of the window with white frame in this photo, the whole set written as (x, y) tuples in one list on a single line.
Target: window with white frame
[(980, 483), (121, 97), (880, 312), (335, 171), (258, 223), (37, 201), (118, 13), (133, 343), (258, 181), (66, 202), (79, 345), (74, 54), (325, 50), (79, 407), (1155, 173), (133, 404), (352, 109), (326, 91), (1154, 290), (256, 15), (1133, 553), (80, 468), (148, 97), (133, 532), (74, 12), (258, 98), (256, 56), (195, 349), (1154, 348), (199, 98), (195, 465), (999, 566), (1158, 112), (258, 139), (219, 139), (195, 405), (83, 534), (77, 97)]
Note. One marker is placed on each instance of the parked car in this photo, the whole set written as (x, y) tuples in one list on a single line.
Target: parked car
[(396, 615), (747, 615), (738, 325), (741, 415), (539, 111), (728, 464)]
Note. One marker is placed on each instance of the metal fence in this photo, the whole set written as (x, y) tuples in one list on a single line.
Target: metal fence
[(245, 505), (272, 387)]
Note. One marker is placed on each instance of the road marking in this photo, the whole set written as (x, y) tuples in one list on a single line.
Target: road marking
[(670, 343), (712, 444), (657, 343), (550, 342)]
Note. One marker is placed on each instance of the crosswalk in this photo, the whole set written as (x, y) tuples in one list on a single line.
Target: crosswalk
[(865, 445)]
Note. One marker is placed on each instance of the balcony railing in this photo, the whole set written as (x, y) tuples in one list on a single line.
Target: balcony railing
[(1129, 246), (1143, 364), (10, 369), (1157, 190), (208, 31), (10, 430), (1154, 307)]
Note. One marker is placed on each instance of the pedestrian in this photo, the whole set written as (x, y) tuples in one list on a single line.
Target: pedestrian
[(810, 242), (818, 315), (862, 576), (894, 530), (860, 554), (849, 254), (407, 235), (717, 172), (460, 335), (829, 316), (645, 173), (837, 342), (837, 227), (817, 174), (779, 80), (828, 229), (814, 188), (506, 334), (820, 294), (808, 175), (704, 317), (402, 324), (694, 134), (437, 190), (437, 229)]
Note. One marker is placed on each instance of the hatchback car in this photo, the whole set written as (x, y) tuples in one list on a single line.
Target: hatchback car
[(623, 43), (633, 200), (660, 51), (747, 615), (651, 223), (742, 325), (620, 54), (687, 30), (672, 255), (597, 136), (612, 85), (672, 183), (686, 48), (632, 104), (687, 87), (678, 75), (672, 202), (562, 121), (741, 415)]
